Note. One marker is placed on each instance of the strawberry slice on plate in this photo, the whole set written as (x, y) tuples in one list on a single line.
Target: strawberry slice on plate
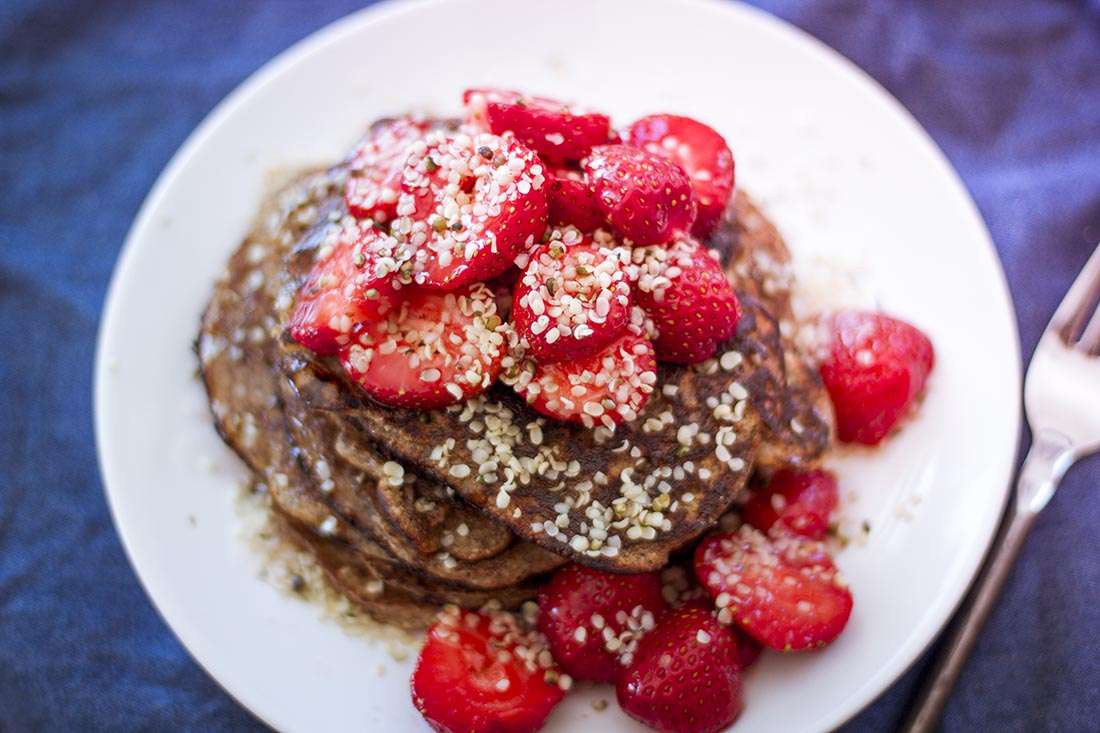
[(573, 298), (434, 350), (356, 278), (685, 677), (701, 152), (572, 202), (644, 196), (605, 389), (556, 130), (782, 590), (801, 501), (375, 166), (485, 673), (684, 290), (593, 620), (875, 369), (470, 204)]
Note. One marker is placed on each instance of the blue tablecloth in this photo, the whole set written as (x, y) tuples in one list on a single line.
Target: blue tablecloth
[(94, 98)]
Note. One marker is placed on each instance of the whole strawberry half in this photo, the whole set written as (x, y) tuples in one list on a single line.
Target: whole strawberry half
[(433, 350), (357, 277), (606, 388), (593, 619), (801, 501), (700, 151), (685, 677), (683, 289), (484, 673), (573, 298), (374, 168), (557, 130), (646, 197), (874, 371), (781, 589), (472, 234)]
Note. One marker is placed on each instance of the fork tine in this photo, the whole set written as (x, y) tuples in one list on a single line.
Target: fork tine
[(1089, 341), (1078, 307)]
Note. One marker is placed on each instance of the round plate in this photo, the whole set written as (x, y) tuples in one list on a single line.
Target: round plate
[(839, 165)]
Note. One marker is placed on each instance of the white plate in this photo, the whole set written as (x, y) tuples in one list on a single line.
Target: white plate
[(841, 167)]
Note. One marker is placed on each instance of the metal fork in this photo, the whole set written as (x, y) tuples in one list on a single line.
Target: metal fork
[(1062, 397)]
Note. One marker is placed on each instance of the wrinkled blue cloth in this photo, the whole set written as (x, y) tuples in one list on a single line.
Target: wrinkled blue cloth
[(96, 96)]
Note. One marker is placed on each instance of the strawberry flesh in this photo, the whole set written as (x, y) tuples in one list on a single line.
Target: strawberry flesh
[(646, 197), (483, 673), (684, 290), (701, 152), (573, 298), (605, 389), (685, 677), (593, 619), (801, 501), (558, 131), (470, 204), (356, 278), (875, 369), (781, 589), (434, 350)]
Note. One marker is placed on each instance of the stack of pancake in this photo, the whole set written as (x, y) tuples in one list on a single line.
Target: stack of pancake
[(406, 510)]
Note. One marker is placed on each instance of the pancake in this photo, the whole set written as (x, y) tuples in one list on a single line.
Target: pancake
[(412, 498)]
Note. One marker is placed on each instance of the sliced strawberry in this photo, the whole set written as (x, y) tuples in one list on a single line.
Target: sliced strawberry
[(434, 350), (572, 201), (556, 130), (485, 673), (644, 196), (374, 169), (701, 152), (801, 501), (604, 389), (875, 369), (685, 677), (593, 620), (783, 590), (574, 297), (692, 304), (748, 649), (470, 204), (356, 278)]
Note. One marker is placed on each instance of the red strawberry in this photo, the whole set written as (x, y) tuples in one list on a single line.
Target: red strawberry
[(434, 350), (701, 152), (572, 201), (604, 389), (692, 304), (557, 130), (470, 205), (801, 501), (748, 649), (593, 620), (356, 278), (574, 297), (875, 369), (374, 169), (484, 673), (685, 677), (644, 196), (783, 590)]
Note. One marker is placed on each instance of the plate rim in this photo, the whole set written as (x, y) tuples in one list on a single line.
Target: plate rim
[(363, 18)]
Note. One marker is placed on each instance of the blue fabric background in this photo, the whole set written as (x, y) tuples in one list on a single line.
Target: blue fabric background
[(96, 96)]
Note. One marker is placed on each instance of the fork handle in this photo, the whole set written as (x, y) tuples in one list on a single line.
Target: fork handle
[(1047, 460)]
